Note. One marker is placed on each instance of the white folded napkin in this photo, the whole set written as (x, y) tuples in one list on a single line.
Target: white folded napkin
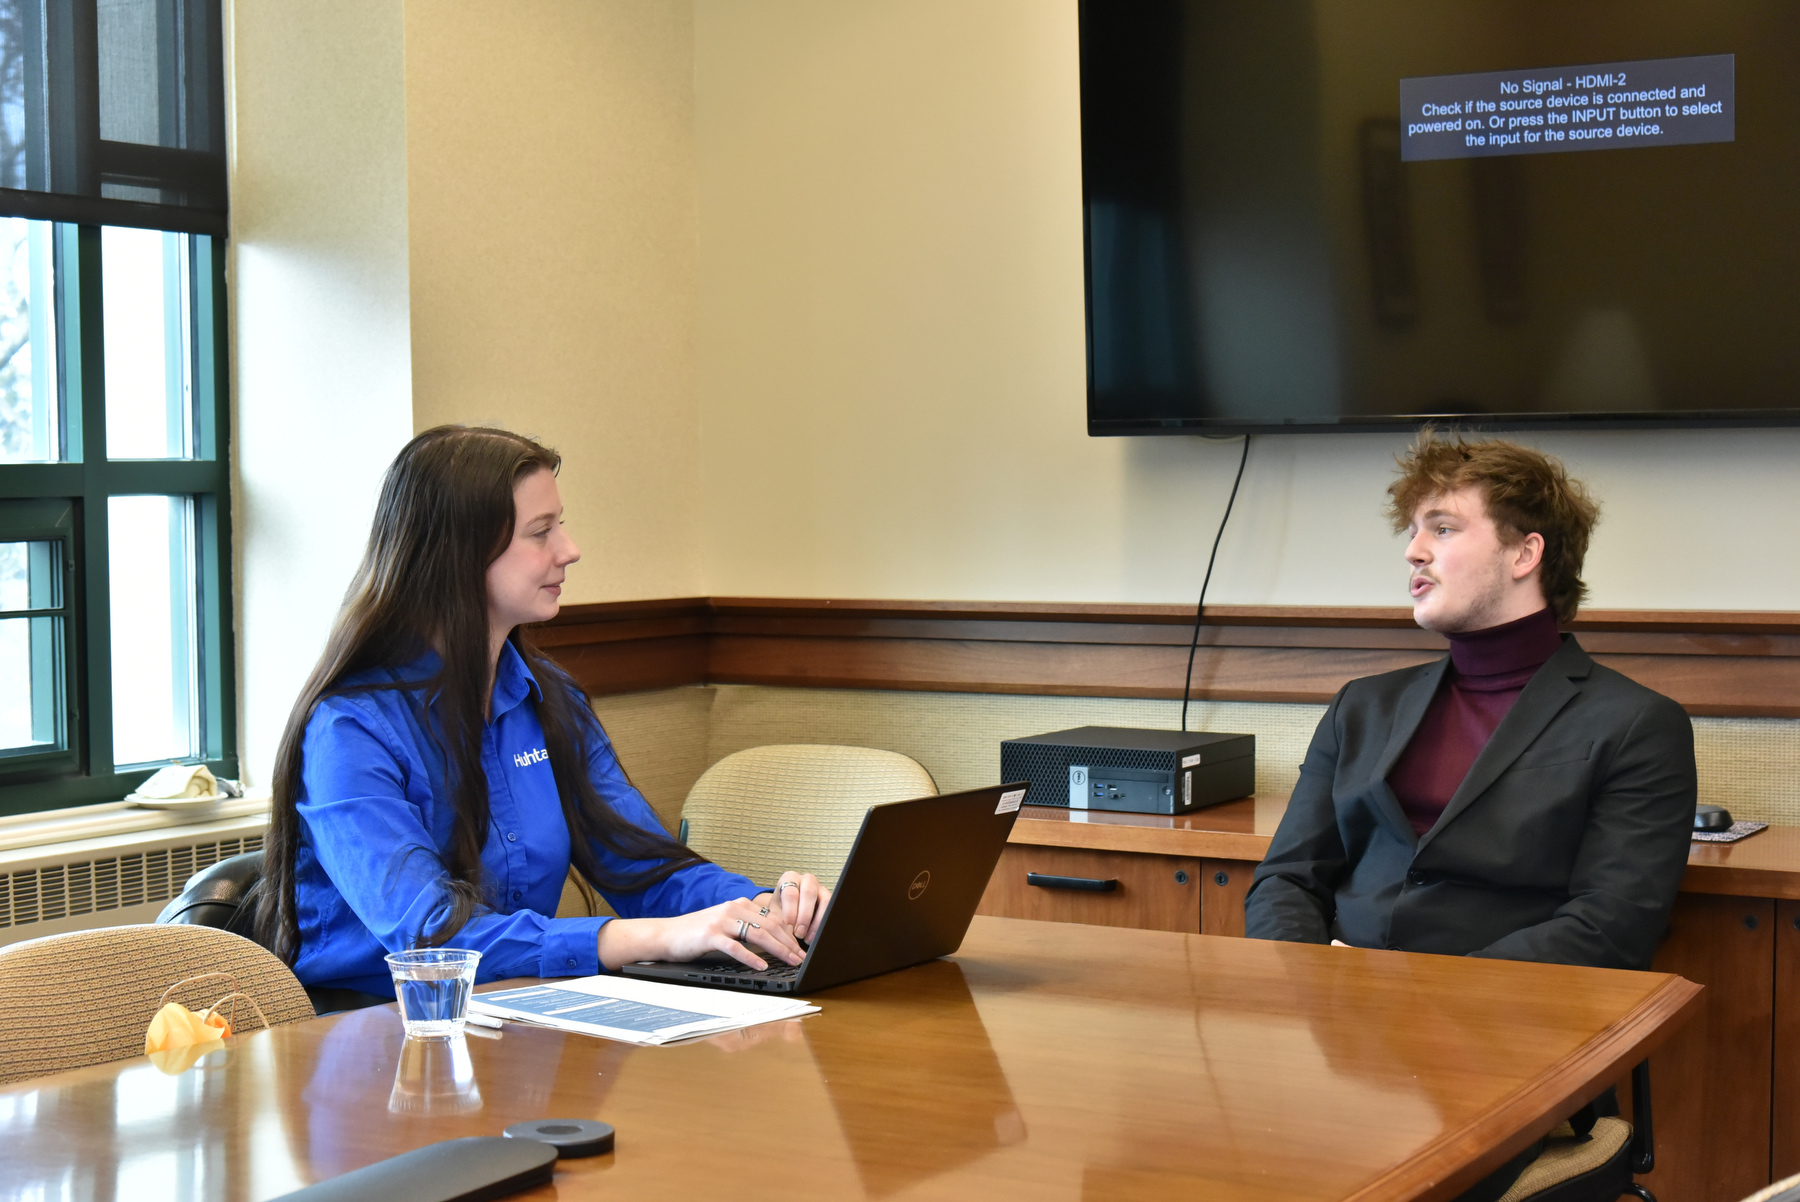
[(180, 780)]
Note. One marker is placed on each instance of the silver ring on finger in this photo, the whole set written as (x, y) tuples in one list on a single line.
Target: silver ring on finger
[(743, 929), (788, 885), (763, 913)]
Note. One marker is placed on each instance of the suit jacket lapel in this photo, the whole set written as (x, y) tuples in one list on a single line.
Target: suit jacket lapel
[(1541, 700), (1407, 715)]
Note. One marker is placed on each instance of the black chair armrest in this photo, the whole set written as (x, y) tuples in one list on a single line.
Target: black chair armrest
[(1643, 1134), (220, 896)]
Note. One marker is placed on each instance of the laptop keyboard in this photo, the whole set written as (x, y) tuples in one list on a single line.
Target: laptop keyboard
[(774, 972), (777, 977)]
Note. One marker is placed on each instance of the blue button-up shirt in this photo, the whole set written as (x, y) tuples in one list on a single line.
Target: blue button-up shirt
[(376, 817)]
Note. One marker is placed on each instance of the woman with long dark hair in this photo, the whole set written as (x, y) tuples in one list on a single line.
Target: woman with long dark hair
[(439, 774)]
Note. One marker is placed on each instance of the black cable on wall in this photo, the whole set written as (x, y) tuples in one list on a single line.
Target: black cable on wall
[(1187, 681)]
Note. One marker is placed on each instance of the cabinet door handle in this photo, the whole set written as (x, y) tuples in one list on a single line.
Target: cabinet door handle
[(1088, 884)]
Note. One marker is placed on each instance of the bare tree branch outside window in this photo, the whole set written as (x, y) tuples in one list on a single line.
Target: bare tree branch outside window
[(15, 272)]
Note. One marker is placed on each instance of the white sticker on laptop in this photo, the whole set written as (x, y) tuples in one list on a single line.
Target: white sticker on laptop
[(1191, 761), (1010, 801)]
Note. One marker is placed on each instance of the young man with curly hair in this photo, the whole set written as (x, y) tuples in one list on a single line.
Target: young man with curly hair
[(1514, 799)]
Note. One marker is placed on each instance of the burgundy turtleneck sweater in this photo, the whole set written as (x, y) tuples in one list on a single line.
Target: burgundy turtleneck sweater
[(1488, 670)]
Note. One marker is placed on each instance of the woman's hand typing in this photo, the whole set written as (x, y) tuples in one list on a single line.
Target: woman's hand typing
[(751, 932), (800, 900)]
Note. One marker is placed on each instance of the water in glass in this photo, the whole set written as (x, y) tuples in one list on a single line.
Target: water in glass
[(433, 986)]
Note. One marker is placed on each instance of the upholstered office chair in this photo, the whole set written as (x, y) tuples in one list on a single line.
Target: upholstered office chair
[(1596, 1166), (219, 896), (216, 896), (67, 1001), (581, 900), (796, 805)]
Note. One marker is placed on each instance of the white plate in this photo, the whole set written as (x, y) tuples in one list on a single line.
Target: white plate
[(177, 803)]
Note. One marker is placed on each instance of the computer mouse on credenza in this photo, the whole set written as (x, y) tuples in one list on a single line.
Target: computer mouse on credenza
[(1712, 818)]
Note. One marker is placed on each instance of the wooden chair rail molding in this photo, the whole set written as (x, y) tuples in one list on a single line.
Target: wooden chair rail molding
[(1714, 663)]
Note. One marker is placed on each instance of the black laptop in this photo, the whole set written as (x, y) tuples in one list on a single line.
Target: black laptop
[(906, 895)]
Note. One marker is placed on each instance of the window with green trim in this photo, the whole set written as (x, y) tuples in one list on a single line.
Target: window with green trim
[(115, 649)]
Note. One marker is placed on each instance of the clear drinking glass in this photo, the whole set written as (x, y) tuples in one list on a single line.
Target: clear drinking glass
[(433, 985)]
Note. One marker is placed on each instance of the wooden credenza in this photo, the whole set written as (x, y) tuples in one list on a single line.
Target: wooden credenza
[(1726, 1088)]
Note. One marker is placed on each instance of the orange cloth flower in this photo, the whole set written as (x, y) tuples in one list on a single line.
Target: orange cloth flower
[(175, 1026), (177, 1061)]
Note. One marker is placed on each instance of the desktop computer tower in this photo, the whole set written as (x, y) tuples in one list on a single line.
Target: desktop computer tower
[(1138, 771)]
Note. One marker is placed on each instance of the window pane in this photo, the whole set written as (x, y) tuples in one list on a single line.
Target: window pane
[(131, 54), (30, 575), (31, 698), (154, 670), (13, 42), (144, 278), (30, 421), (31, 666)]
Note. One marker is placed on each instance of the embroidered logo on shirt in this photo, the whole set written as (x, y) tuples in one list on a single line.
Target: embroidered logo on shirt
[(528, 758)]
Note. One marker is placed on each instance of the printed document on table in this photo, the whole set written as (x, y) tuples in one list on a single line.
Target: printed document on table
[(636, 1011)]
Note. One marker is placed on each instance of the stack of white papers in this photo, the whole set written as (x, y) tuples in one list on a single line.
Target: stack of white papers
[(636, 1011)]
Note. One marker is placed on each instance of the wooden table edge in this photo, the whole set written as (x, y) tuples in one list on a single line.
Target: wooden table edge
[(1717, 879), (1540, 1104), (1733, 881)]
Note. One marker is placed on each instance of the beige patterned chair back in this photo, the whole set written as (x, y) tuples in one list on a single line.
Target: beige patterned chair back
[(67, 1001), (796, 805), (1785, 1190)]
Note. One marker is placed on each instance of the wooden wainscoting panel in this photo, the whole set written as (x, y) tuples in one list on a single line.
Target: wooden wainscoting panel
[(634, 666), (630, 646), (1720, 686), (1051, 669), (1730, 664), (1731, 623)]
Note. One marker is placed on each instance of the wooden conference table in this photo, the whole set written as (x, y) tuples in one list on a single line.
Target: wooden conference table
[(1727, 1088), (1044, 1060)]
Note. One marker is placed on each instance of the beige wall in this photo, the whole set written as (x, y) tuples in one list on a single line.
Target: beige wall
[(890, 354), (797, 288), (321, 371), (891, 358), (550, 177)]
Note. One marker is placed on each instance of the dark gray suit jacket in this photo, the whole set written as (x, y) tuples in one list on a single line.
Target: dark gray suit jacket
[(1565, 843)]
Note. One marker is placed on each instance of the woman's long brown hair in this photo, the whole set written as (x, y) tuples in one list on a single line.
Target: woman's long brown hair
[(446, 513)]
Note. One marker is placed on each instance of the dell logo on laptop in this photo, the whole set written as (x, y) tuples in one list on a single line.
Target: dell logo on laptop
[(918, 885)]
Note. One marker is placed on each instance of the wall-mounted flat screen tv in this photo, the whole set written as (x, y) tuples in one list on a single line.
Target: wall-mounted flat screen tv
[(1357, 214)]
